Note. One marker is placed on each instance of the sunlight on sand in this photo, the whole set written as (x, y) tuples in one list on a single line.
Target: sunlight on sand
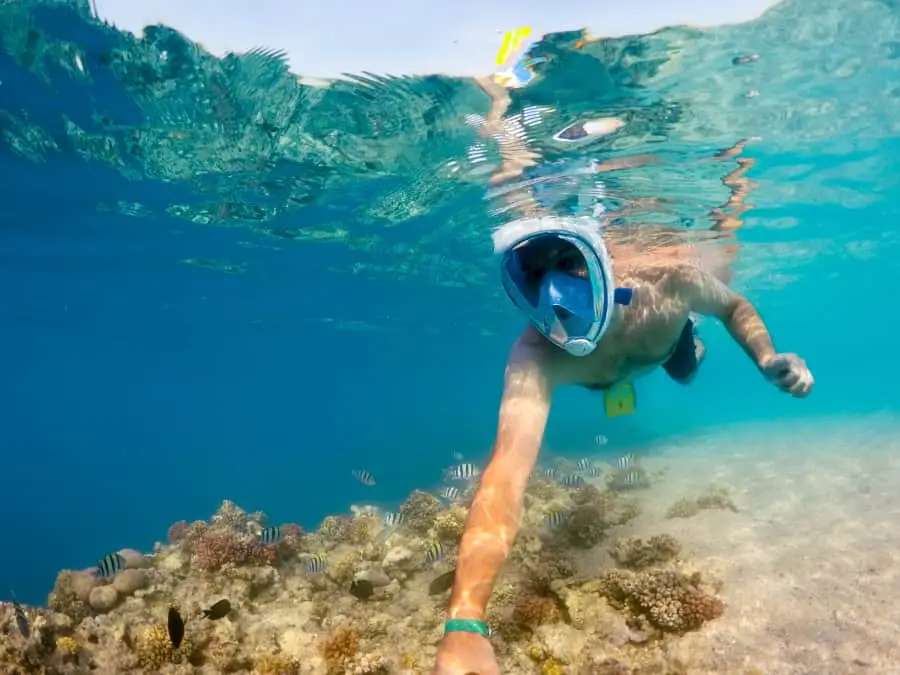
[(809, 562)]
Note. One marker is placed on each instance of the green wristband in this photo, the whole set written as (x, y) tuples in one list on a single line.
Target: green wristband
[(467, 626)]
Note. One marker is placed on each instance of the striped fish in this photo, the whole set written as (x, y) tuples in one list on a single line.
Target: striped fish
[(628, 479), (600, 439), (583, 464), (593, 471), (315, 563), (110, 565), (625, 461), (393, 518), (555, 519), (550, 472), (450, 492), (434, 553), (363, 476), (572, 480), (464, 471), (270, 535)]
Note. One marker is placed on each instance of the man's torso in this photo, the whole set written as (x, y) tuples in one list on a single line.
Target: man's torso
[(643, 336)]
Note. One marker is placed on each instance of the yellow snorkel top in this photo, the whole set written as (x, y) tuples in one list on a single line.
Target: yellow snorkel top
[(514, 66)]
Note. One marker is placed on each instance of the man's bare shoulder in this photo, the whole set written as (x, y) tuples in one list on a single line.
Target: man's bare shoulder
[(700, 289)]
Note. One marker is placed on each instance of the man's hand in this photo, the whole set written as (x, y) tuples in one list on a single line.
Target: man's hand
[(789, 373), (464, 654)]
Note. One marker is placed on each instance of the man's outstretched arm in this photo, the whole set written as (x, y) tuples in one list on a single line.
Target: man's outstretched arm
[(705, 294), (493, 520)]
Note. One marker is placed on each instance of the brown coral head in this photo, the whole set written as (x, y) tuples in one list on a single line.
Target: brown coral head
[(586, 525), (177, 531), (291, 531), (532, 610), (215, 549), (586, 494), (339, 648)]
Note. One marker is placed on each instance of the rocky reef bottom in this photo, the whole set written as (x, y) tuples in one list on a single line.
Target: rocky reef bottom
[(364, 594), (790, 571)]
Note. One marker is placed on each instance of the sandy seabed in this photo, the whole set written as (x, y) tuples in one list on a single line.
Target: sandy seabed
[(810, 563)]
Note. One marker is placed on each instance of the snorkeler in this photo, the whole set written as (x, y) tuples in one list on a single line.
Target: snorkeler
[(605, 304)]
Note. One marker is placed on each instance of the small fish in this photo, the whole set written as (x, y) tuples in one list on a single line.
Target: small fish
[(315, 563), (434, 553), (362, 589), (555, 519), (464, 471), (21, 620), (743, 60), (450, 492), (600, 440), (625, 461), (176, 627), (457, 456), (270, 535), (583, 464), (363, 476), (572, 480), (393, 518), (550, 472), (594, 471), (110, 565), (442, 583), (221, 609), (629, 479)]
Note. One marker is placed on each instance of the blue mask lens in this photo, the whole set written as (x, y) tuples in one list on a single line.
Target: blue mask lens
[(571, 300)]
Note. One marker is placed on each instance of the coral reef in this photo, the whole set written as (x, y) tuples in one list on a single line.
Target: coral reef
[(297, 608), (154, 649), (671, 600), (594, 513), (420, 511), (712, 498), (214, 550), (637, 554)]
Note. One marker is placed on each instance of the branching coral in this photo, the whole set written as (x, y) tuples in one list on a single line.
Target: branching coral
[(362, 528), (533, 609), (339, 649), (683, 508), (334, 529), (635, 553), (154, 649), (276, 664), (420, 511), (215, 549), (713, 498), (672, 601), (716, 498), (586, 525), (448, 525), (552, 563), (230, 516), (595, 513), (67, 646)]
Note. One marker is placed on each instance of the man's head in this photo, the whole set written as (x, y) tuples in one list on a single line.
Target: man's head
[(557, 272)]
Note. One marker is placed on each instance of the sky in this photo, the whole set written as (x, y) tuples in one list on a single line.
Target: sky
[(405, 37)]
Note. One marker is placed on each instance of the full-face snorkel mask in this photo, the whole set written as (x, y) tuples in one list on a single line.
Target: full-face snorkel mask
[(570, 310)]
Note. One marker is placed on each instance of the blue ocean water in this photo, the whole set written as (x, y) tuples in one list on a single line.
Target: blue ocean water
[(222, 283)]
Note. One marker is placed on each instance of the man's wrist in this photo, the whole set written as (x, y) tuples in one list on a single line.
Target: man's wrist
[(476, 626)]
